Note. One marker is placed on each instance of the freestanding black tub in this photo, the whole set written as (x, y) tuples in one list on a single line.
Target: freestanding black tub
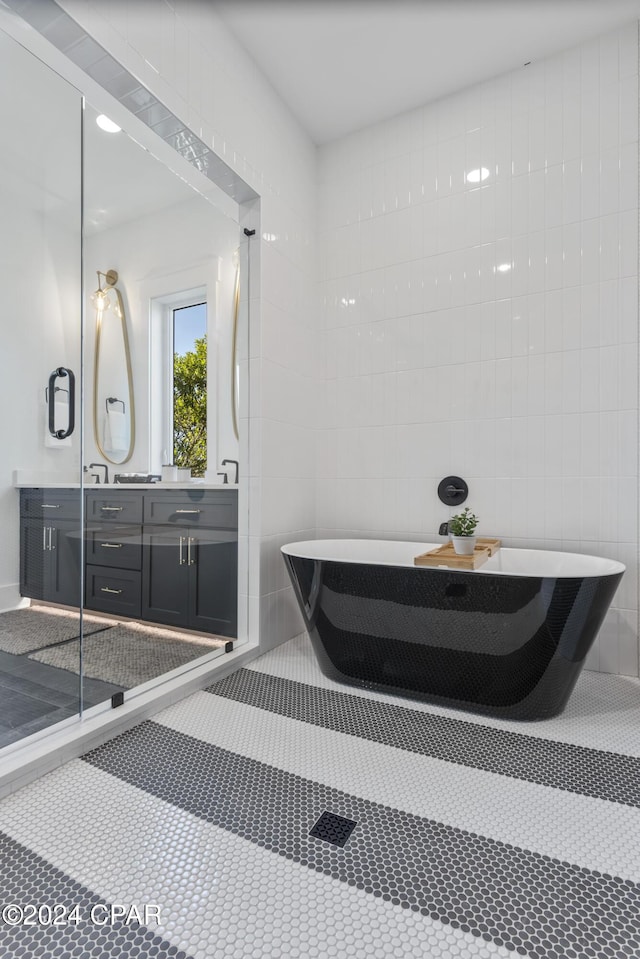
[(508, 639)]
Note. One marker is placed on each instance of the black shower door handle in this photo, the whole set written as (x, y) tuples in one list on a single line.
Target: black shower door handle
[(61, 371)]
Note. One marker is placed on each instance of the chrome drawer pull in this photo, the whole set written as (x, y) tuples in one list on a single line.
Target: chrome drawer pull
[(181, 561), (111, 545), (196, 511), (44, 537), (190, 540), (106, 589), (112, 509), (51, 506)]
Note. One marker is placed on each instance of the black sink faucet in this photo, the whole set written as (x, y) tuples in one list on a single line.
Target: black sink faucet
[(102, 466), (235, 462)]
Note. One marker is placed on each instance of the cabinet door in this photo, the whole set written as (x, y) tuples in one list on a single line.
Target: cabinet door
[(165, 576), (212, 556), (64, 564), (33, 559), (50, 561)]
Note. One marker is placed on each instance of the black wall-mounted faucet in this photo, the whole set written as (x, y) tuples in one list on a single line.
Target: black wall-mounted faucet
[(235, 462)]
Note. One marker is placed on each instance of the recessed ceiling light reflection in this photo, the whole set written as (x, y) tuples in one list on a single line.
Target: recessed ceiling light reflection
[(107, 125), (269, 237), (476, 176), (503, 267)]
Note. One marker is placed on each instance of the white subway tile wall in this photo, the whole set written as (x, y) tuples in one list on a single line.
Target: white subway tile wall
[(479, 302)]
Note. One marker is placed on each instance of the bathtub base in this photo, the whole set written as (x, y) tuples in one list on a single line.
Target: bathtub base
[(429, 680), (510, 647)]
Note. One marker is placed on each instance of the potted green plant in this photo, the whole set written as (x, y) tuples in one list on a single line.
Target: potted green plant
[(462, 528)]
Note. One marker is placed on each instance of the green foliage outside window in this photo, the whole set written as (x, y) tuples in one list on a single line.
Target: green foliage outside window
[(190, 408)]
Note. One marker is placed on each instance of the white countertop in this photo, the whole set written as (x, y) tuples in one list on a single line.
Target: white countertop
[(67, 479), (192, 487)]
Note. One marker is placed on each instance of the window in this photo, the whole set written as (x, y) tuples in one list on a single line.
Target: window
[(183, 382), (189, 387)]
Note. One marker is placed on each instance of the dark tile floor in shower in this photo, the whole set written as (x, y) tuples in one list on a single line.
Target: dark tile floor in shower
[(39, 664), (35, 695)]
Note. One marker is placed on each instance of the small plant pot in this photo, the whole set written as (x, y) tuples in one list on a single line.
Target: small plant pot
[(464, 545)]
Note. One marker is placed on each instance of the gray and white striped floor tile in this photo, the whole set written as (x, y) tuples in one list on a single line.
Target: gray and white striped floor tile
[(219, 894), (473, 837), (602, 712), (569, 827), (45, 912), (604, 775)]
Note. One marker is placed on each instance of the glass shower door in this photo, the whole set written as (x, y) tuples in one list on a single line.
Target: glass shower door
[(161, 492), (126, 570), (41, 462)]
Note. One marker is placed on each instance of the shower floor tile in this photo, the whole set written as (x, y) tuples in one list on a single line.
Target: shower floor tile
[(473, 837), (35, 695), (45, 693), (28, 727)]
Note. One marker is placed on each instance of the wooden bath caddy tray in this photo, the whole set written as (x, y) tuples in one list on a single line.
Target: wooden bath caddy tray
[(447, 556)]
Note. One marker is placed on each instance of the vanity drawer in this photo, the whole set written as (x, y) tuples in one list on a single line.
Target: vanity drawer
[(218, 510), (113, 591), (117, 507), (117, 546), (50, 504)]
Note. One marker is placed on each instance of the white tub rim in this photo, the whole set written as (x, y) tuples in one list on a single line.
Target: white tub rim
[(508, 561)]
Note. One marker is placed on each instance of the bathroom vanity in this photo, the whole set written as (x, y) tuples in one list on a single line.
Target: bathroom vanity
[(50, 545), (167, 556)]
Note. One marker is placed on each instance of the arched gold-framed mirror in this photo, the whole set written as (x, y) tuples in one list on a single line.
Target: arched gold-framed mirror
[(114, 421)]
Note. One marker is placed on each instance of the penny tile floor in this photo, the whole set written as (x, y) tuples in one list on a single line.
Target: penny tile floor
[(224, 826)]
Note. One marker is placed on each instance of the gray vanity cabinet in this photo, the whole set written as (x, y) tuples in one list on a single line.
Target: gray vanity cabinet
[(189, 578), (214, 559), (50, 545), (166, 556), (190, 561), (165, 583)]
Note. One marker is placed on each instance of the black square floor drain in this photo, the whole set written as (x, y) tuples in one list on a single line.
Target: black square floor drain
[(333, 829)]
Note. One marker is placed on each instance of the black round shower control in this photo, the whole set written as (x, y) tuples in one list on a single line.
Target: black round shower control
[(452, 491)]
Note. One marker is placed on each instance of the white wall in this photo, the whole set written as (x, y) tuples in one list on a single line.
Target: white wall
[(523, 382), (186, 245), (204, 76), (39, 277)]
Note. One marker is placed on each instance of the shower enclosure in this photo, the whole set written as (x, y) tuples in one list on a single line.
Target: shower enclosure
[(120, 558), (40, 266)]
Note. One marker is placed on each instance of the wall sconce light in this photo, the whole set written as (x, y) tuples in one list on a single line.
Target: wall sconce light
[(101, 299)]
